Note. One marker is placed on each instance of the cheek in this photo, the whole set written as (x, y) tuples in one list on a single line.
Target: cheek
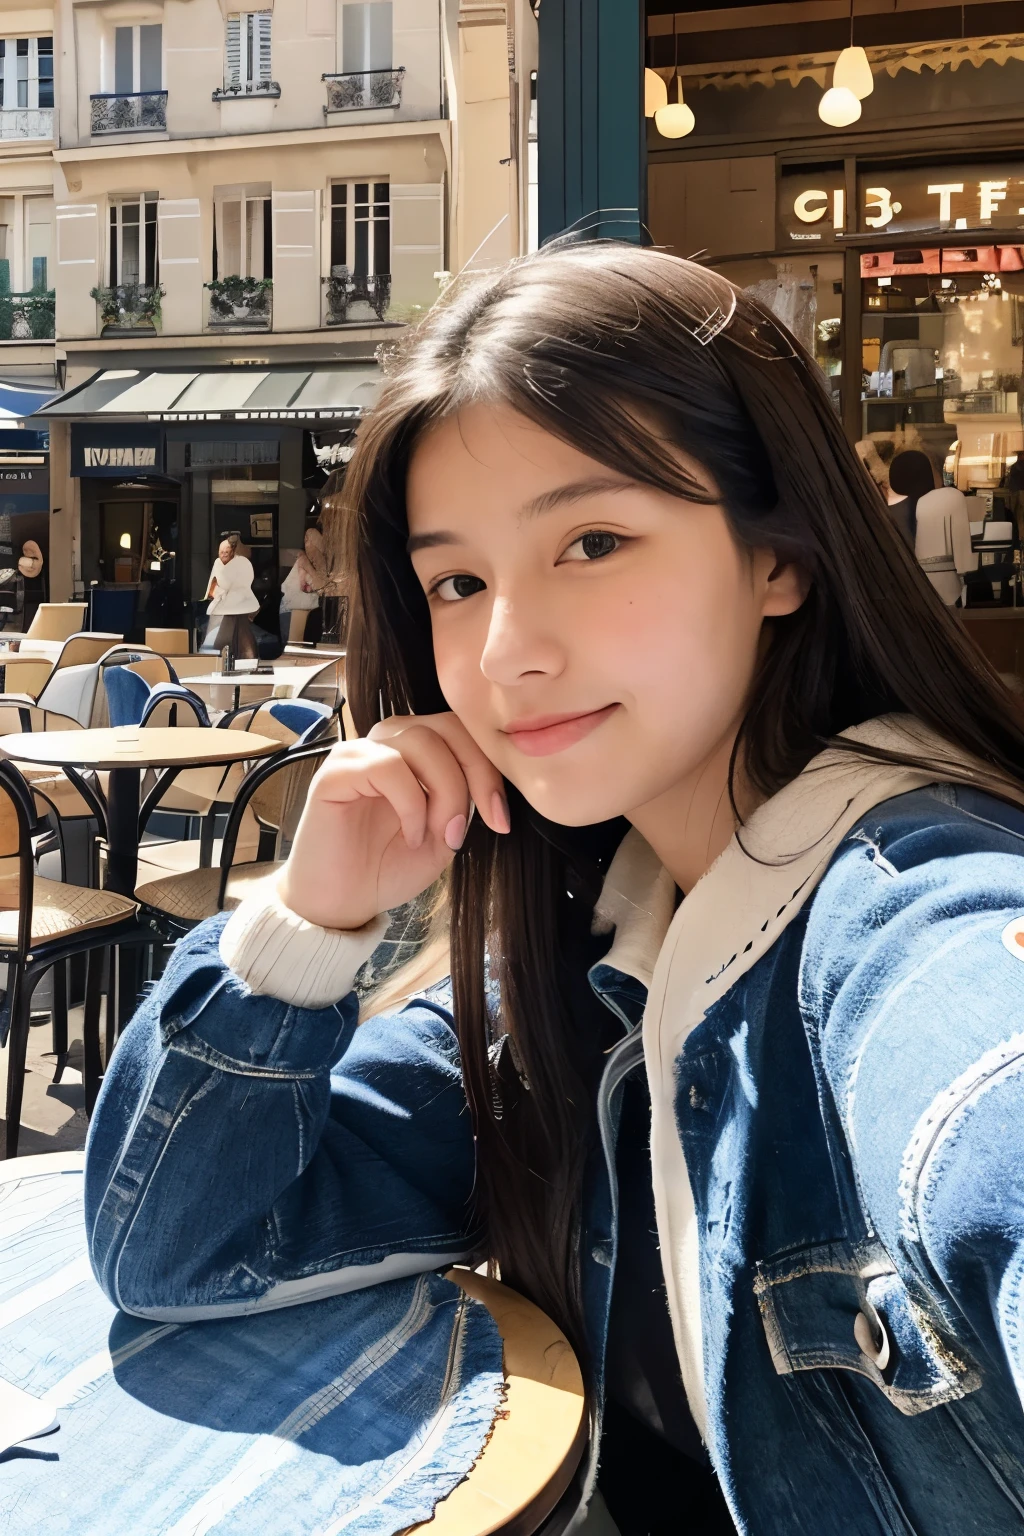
[(457, 652)]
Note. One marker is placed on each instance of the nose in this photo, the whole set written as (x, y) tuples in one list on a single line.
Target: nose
[(520, 643)]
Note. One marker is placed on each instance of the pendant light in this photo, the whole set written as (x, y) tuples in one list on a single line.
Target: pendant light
[(852, 80), (839, 107), (655, 92), (675, 120)]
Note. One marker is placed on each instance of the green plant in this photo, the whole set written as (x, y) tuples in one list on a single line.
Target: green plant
[(230, 293), (129, 304)]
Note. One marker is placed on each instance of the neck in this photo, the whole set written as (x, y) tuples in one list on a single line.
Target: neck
[(693, 822)]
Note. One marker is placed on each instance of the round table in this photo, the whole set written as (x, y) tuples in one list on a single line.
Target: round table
[(292, 678), (123, 752), (527, 1460)]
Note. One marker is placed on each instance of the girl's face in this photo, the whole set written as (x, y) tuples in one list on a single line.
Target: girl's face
[(598, 638)]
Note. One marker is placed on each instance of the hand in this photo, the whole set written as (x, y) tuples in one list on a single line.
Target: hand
[(384, 817)]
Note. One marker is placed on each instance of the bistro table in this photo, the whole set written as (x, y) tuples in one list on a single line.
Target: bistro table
[(124, 752), (260, 1423), (291, 679)]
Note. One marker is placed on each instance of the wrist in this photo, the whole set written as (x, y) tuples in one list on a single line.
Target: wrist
[(290, 894)]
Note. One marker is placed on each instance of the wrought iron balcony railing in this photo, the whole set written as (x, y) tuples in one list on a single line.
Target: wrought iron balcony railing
[(240, 304), (26, 123), (363, 90), (341, 290), (27, 316), (139, 112), (129, 306), (235, 88)]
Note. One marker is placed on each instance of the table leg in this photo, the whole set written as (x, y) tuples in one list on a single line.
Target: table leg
[(123, 830), (123, 793)]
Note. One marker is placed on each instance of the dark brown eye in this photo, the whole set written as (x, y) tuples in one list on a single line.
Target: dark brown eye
[(594, 545), (452, 588)]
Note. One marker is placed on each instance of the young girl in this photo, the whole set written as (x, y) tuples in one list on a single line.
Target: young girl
[(727, 1076)]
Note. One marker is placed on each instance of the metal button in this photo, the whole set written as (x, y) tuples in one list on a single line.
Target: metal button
[(872, 1340)]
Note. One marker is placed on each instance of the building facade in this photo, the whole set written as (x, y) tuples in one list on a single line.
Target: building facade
[(230, 212)]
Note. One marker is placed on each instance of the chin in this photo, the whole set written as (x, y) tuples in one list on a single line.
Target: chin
[(575, 808)]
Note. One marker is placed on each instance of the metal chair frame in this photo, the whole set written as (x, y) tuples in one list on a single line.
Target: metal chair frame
[(27, 963)]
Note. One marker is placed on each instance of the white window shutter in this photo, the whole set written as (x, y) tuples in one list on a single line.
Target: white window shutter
[(179, 249), (233, 52), (417, 245), (261, 45), (78, 261), (296, 231)]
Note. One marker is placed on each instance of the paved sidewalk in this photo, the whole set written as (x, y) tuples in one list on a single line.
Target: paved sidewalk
[(53, 1116)]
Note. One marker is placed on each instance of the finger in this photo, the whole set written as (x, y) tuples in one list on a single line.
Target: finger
[(486, 785), (382, 773), (442, 776)]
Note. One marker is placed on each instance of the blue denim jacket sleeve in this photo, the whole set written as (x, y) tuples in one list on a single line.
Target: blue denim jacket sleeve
[(913, 986), (244, 1153)]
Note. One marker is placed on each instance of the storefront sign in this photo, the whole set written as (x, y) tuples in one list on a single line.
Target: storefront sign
[(812, 204), (113, 451), (24, 490)]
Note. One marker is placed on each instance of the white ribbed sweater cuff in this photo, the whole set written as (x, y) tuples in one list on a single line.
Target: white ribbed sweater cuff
[(278, 954)]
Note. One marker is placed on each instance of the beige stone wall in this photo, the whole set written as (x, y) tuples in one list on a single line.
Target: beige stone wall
[(485, 224)]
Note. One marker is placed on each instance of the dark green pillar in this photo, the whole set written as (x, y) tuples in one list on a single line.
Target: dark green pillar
[(591, 143)]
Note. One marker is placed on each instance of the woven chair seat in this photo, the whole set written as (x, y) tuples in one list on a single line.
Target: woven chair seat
[(193, 895), (59, 910)]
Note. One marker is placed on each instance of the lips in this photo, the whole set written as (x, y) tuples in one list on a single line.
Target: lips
[(544, 734)]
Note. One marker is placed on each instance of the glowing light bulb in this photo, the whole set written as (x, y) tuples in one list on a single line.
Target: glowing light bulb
[(126, 541), (839, 107), (853, 73), (676, 120)]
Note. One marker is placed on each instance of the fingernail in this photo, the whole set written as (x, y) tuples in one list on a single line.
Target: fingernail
[(455, 832), (499, 811)]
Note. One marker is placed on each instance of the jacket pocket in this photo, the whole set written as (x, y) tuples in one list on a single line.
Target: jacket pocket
[(843, 1306)]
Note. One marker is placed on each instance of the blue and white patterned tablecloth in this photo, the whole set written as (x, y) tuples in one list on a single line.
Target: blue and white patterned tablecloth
[(356, 1414)]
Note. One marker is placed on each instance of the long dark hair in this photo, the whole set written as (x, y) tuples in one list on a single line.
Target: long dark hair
[(629, 354)]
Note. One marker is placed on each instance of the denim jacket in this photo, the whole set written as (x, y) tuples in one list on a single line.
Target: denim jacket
[(843, 1092)]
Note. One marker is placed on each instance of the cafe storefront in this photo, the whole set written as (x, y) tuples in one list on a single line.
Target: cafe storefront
[(168, 462)]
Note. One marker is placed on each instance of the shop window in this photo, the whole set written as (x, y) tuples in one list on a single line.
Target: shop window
[(133, 241), (138, 60), (361, 227), (242, 237), (942, 331), (26, 72), (247, 51), (366, 37), (807, 296)]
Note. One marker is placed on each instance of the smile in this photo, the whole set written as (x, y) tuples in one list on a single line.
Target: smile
[(545, 734)]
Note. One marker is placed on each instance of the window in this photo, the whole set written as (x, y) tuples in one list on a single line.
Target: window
[(365, 37), (26, 72), (361, 227), (242, 239), (138, 62), (38, 242), (133, 241), (248, 51)]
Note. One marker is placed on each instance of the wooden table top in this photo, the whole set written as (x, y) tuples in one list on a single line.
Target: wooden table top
[(533, 1451), (136, 747), (291, 677)]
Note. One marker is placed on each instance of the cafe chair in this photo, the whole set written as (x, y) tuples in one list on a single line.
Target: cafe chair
[(274, 791), (33, 684), (207, 793), (131, 701), (168, 642), (43, 923), (52, 621)]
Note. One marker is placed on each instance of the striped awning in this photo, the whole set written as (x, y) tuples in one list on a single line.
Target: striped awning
[(341, 392)]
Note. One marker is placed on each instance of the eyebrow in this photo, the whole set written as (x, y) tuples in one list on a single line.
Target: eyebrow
[(547, 501)]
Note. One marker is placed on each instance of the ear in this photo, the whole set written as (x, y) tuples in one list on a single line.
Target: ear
[(786, 588)]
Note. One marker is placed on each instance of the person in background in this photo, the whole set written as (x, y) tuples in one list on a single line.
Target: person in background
[(233, 602), (911, 476)]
